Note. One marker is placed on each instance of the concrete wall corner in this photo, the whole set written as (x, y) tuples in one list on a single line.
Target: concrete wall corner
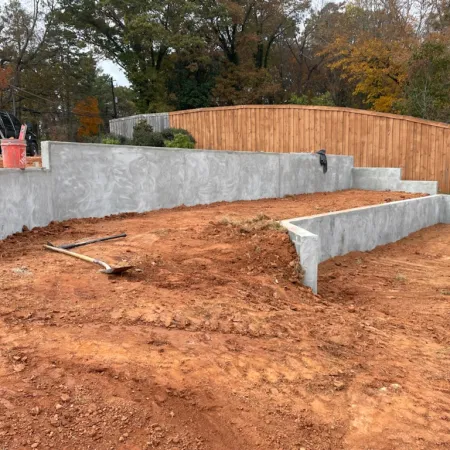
[(307, 246)]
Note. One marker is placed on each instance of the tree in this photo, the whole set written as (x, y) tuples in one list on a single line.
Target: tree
[(306, 62), (428, 87), (245, 84), (319, 100), (371, 50), (377, 70), (226, 24), (139, 35), (387, 55), (89, 117), (273, 20), (438, 19), (126, 105), (23, 37), (247, 32), (192, 80)]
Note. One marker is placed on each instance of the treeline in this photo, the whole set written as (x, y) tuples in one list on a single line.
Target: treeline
[(384, 55), (50, 78)]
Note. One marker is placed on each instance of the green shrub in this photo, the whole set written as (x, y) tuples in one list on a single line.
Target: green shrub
[(110, 140), (318, 100), (89, 139), (170, 133), (124, 140), (142, 127), (155, 139), (180, 141), (142, 134)]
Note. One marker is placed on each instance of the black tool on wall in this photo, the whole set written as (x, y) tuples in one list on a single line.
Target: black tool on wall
[(323, 160)]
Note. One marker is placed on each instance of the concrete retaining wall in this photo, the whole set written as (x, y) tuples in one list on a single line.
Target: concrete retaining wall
[(381, 179), (318, 238), (26, 198), (88, 180), (98, 180), (125, 126), (301, 173), (445, 213)]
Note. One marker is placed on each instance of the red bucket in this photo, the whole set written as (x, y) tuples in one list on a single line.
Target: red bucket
[(14, 152)]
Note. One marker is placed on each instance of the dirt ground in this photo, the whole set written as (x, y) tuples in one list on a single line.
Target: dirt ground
[(211, 342)]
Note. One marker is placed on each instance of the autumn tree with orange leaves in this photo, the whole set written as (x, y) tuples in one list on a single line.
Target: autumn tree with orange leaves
[(89, 117)]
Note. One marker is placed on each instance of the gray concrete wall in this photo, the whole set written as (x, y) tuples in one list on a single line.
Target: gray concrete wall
[(361, 229), (301, 173), (25, 199), (382, 179), (445, 213), (94, 180), (113, 179), (97, 180), (125, 125), (212, 176)]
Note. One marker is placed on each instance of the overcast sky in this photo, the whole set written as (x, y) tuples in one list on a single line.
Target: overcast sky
[(116, 72)]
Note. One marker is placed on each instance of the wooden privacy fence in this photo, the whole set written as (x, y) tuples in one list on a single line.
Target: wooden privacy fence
[(421, 148)]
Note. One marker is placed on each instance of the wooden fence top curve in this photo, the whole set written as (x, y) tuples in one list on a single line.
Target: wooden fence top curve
[(317, 108)]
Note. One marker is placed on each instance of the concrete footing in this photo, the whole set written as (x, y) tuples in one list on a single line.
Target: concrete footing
[(321, 237)]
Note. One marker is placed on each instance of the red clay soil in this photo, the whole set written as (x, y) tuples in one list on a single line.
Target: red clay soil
[(31, 162), (212, 343)]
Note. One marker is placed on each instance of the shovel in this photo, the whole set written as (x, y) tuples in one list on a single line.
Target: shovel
[(107, 268)]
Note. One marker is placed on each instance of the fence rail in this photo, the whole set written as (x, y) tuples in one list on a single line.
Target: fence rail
[(421, 148)]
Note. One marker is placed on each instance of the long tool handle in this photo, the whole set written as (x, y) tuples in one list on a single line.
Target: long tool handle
[(75, 255), (23, 132), (92, 241)]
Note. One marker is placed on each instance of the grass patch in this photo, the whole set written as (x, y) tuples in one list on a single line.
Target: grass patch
[(401, 278), (445, 292), (259, 223)]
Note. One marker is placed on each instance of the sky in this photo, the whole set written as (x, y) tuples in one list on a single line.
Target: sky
[(112, 69)]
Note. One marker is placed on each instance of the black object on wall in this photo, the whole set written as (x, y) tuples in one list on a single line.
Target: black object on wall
[(323, 160)]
